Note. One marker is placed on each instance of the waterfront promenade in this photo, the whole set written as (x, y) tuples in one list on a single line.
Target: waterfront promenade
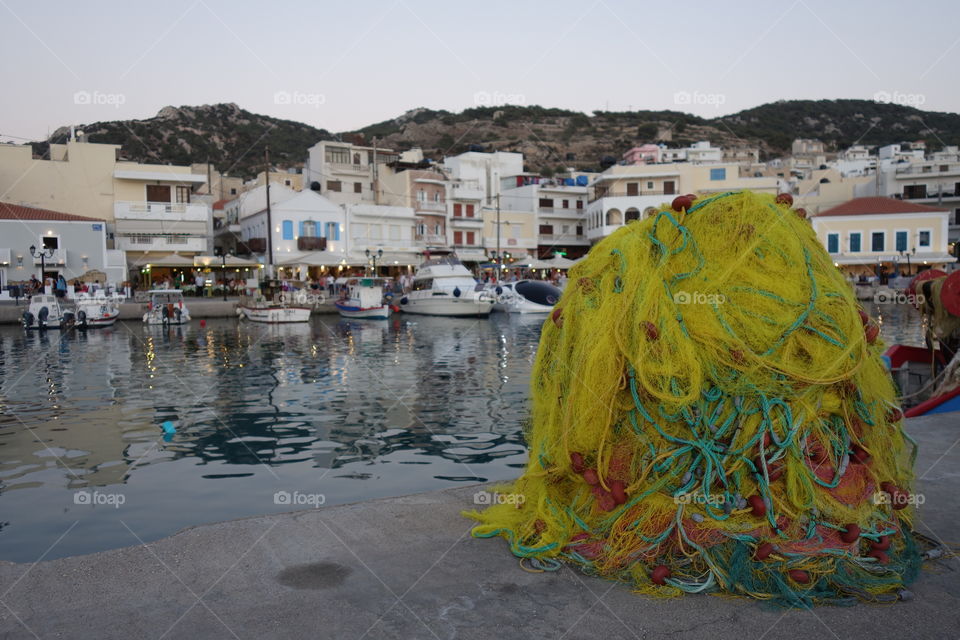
[(407, 568), (200, 308)]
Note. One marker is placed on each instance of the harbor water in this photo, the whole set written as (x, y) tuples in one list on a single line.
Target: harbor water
[(259, 419)]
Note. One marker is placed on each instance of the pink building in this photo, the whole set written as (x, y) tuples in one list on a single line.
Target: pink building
[(644, 154)]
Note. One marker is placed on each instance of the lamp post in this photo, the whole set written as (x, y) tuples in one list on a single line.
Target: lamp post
[(374, 256), (219, 251), (907, 253), (44, 253)]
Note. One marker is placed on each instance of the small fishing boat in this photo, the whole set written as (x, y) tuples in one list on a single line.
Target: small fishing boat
[(444, 287), (96, 310), (929, 377), (271, 305), (45, 312), (363, 298), (525, 296), (166, 307)]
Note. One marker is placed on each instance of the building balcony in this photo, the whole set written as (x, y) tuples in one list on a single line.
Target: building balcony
[(555, 212), (467, 191), (252, 245), (305, 243), (59, 257), (562, 238), (463, 221), (172, 211), (355, 169), (437, 207), (161, 243), (643, 192), (431, 239)]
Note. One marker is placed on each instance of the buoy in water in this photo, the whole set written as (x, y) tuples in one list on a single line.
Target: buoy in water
[(203, 323)]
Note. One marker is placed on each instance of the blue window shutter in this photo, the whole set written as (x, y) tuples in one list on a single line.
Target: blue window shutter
[(300, 229), (901, 240), (287, 227), (833, 243)]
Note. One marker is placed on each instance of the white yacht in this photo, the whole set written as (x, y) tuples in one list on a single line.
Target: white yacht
[(45, 312), (444, 287), (166, 307), (96, 310), (525, 296)]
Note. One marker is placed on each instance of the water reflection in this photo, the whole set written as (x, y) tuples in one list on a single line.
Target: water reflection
[(353, 410)]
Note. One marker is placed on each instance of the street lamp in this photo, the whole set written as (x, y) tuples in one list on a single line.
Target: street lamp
[(219, 251), (913, 251), (44, 253), (374, 256)]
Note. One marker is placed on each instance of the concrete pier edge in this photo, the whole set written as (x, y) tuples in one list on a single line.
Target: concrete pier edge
[(407, 567)]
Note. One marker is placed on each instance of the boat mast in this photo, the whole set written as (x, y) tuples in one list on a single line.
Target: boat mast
[(266, 173)]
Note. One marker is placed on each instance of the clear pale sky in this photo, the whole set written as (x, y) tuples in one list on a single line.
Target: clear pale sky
[(342, 65)]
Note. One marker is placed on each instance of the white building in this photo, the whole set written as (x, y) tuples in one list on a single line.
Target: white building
[(302, 223), (387, 228), (74, 245), (345, 173), (485, 170)]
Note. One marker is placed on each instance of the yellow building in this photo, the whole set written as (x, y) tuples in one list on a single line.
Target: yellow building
[(151, 211), (626, 192), (518, 234), (865, 234)]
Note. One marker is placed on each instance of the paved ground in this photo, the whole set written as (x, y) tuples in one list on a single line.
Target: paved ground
[(407, 568), (10, 312)]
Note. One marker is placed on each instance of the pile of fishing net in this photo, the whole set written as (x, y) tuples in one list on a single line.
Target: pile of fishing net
[(711, 413)]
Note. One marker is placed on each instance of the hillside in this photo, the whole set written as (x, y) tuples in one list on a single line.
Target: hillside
[(230, 137), (550, 139)]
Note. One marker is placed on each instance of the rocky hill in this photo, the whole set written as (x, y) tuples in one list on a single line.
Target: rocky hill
[(224, 134), (550, 139)]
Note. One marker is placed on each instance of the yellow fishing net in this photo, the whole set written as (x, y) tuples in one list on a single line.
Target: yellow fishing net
[(711, 413)]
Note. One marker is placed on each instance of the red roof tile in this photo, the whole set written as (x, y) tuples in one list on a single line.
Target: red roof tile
[(875, 205), (20, 212)]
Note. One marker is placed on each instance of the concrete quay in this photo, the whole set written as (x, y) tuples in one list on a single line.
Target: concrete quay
[(407, 568), (200, 308)]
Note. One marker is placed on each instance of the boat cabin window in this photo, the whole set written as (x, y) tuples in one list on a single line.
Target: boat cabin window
[(423, 284)]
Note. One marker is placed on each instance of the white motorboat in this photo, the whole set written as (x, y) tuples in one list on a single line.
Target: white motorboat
[(444, 287), (525, 296), (45, 312), (363, 299), (166, 307), (96, 310), (270, 305)]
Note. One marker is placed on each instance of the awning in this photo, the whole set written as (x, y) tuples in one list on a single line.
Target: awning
[(318, 259), (172, 260), (530, 264), (167, 176), (929, 257), (467, 255), (559, 262), (217, 261)]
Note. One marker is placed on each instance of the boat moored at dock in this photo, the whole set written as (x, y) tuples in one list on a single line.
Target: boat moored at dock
[(46, 312), (444, 287), (166, 307)]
